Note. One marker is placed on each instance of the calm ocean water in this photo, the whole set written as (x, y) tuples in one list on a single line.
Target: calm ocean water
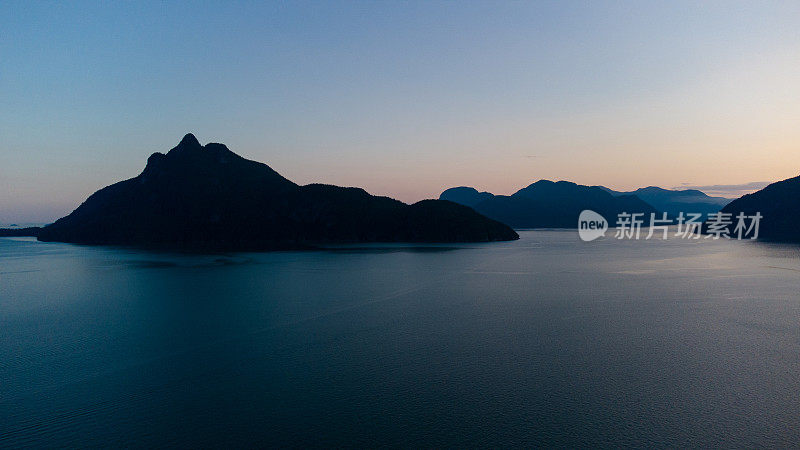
[(543, 341)]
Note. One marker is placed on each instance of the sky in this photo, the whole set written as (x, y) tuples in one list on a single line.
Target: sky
[(404, 99)]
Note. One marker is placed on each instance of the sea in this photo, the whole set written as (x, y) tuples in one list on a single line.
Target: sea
[(548, 341)]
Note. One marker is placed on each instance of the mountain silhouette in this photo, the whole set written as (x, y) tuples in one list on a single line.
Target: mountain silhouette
[(673, 202), (548, 204), (467, 196), (202, 197), (779, 205)]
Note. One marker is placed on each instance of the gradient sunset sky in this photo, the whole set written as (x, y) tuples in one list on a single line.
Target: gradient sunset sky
[(402, 99)]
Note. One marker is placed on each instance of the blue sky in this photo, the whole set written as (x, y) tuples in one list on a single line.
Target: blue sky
[(401, 98)]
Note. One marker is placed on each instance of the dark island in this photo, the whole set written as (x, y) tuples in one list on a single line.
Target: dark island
[(779, 206), (207, 197), (20, 232)]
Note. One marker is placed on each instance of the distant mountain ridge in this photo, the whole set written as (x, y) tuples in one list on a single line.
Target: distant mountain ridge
[(19, 232), (548, 204), (467, 196), (202, 197), (673, 202)]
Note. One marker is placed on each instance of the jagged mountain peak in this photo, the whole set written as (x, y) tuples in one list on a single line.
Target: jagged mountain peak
[(207, 197)]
